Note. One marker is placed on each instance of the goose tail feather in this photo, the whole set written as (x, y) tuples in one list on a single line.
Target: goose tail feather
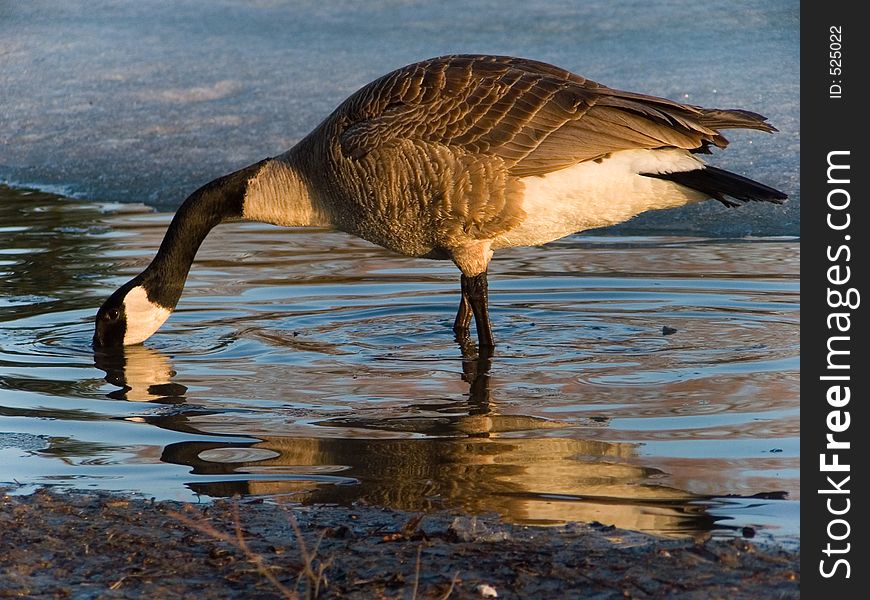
[(728, 188)]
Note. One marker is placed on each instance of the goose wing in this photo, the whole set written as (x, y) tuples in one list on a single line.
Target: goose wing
[(535, 117)]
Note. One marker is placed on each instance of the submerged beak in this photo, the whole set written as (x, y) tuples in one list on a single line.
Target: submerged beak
[(109, 332)]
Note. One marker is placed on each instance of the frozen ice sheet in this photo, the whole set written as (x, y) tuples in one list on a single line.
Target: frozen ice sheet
[(143, 102)]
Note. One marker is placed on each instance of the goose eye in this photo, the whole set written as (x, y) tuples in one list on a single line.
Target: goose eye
[(112, 314)]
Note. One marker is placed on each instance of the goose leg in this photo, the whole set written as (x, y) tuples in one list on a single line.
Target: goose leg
[(463, 315), (475, 289)]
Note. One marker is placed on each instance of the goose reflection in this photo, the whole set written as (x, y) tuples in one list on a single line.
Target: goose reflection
[(143, 374), (464, 455)]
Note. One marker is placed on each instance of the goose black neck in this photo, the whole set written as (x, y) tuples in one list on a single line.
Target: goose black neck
[(215, 202)]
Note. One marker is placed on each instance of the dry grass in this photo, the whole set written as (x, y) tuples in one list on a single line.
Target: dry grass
[(312, 576), (237, 540)]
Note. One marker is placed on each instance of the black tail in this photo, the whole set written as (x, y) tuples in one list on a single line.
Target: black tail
[(723, 185)]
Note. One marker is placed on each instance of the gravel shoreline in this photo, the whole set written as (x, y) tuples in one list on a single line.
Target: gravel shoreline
[(102, 545)]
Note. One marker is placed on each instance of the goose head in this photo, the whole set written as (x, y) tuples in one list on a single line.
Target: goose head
[(129, 316), (139, 307)]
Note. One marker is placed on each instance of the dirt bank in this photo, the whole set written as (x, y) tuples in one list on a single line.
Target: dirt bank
[(81, 545)]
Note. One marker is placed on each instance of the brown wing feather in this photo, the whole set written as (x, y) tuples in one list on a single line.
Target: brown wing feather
[(535, 117)]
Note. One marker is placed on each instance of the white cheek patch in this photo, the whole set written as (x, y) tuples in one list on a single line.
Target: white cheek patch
[(143, 316)]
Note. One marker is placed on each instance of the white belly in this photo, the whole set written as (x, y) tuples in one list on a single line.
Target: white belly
[(597, 194)]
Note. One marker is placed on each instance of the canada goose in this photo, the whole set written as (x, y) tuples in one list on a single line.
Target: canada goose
[(454, 158)]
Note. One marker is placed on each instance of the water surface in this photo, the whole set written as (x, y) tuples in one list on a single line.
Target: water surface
[(309, 364)]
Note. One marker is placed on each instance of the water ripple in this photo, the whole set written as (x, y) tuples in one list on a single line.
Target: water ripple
[(313, 364)]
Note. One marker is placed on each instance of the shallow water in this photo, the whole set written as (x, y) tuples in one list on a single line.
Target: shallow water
[(311, 364)]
